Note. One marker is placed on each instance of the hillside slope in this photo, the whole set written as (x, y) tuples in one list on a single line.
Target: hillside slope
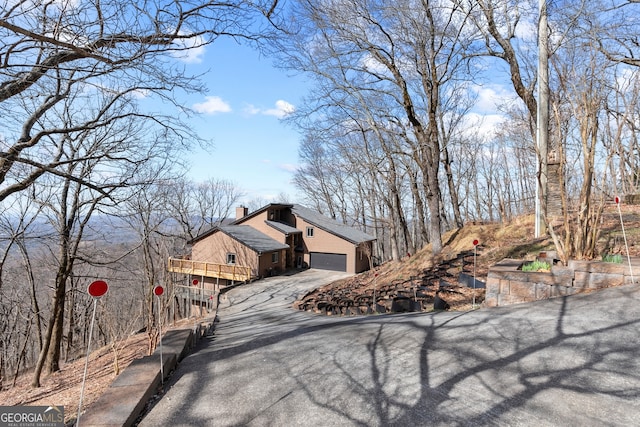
[(422, 282)]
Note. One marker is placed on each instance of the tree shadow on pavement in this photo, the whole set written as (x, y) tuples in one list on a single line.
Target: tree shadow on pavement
[(515, 370), (568, 361)]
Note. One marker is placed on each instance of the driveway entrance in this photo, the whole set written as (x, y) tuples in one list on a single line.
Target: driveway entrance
[(567, 361)]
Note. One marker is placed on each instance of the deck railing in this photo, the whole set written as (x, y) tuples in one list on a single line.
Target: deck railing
[(208, 269)]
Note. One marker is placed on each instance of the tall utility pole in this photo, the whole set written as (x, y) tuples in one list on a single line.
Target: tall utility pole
[(542, 128)]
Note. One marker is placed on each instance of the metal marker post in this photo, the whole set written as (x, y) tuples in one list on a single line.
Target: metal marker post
[(475, 253), (375, 285), (201, 296), (158, 291), (624, 235), (195, 295), (96, 290)]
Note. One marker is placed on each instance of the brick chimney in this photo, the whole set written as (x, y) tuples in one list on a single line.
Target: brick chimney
[(241, 212)]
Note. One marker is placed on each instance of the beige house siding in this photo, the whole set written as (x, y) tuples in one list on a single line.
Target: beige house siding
[(258, 222), (325, 242), (267, 266), (216, 247)]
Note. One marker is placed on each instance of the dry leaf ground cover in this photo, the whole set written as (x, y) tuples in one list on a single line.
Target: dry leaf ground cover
[(64, 387)]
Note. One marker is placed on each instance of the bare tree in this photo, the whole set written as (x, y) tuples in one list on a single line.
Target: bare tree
[(50, 49), (613, 27), (387, 66), (69, 78), (621, 131), (148, 218), (199, 206), (580, 112), (20, 296), (320, 174), (114, 158), (216, 200)]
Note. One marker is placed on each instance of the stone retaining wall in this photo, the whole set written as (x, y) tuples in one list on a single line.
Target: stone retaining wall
[(507, 284), (122, 403)]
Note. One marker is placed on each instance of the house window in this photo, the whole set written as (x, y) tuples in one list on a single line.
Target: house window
[(309, 231), (231, 258), (274, 257)]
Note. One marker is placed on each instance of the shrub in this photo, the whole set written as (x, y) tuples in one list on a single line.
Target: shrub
[(536, 266), (615, 258)]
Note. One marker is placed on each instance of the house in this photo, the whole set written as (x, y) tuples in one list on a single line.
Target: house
[(280, 237)]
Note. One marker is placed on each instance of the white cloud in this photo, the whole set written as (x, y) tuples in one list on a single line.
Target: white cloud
[(140, 93), (192, 55), (626, 78), (491, 97), (286, 167), (212, 105), (289, 167), (282, 109), (190, 50), (482, 125), (527, 31), (251, 109), (369, 63)]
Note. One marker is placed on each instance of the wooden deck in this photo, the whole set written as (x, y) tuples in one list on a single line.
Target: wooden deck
[(236, 273)]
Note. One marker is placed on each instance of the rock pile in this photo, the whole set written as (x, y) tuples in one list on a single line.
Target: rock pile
[(443, 287)]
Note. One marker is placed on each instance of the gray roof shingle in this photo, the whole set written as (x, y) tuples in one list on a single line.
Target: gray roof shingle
[(332, 226), (252, 238), (282, 227)]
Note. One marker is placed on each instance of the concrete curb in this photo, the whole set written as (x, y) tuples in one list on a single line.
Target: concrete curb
[(125, 399)]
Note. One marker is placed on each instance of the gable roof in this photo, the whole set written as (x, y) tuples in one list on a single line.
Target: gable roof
[(246, 235), (252, 238), (332, 226), (262, 209)]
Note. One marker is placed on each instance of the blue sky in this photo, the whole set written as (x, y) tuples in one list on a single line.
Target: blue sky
[(242, 111)]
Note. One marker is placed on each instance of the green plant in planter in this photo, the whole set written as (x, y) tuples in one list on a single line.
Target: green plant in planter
[(536, 266), (614, 258)]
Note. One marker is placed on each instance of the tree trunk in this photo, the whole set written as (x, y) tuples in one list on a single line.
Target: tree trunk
[(72, 322), (420, 209), (453, 192), (57, 318), (49, 358)]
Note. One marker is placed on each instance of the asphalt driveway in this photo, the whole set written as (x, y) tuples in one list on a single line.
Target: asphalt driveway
[(571, 361)]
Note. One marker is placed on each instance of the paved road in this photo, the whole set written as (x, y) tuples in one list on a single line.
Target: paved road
[(564, 362)]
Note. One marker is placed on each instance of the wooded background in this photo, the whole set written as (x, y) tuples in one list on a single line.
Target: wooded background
[(393, 139)]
